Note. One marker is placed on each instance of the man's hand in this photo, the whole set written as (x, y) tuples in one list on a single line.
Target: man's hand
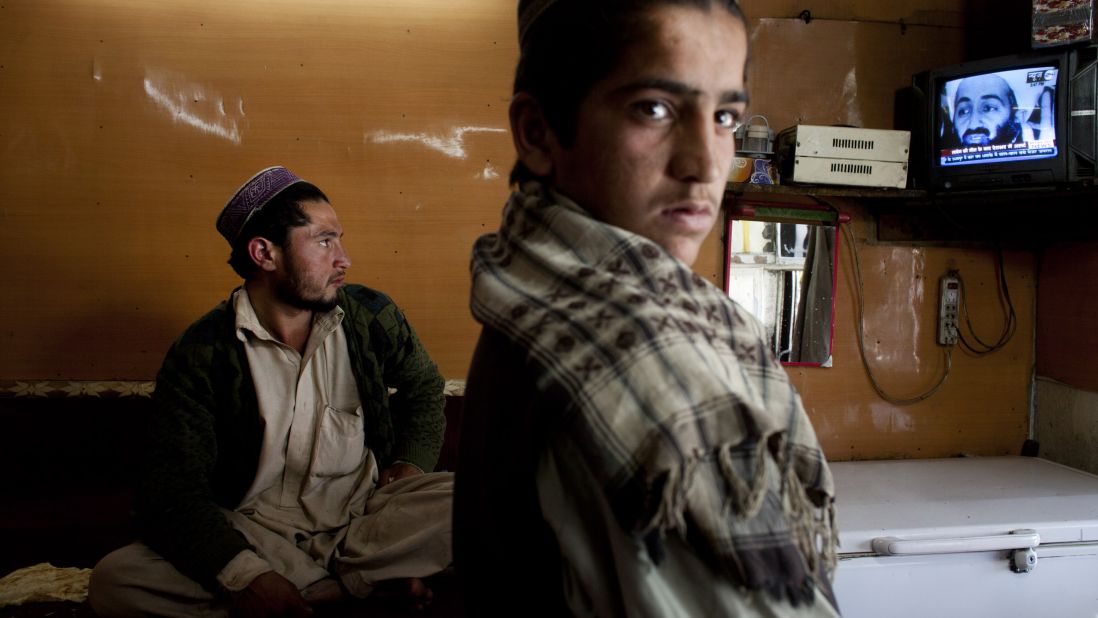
[(270, 594), (1045, 112), (396, 472)]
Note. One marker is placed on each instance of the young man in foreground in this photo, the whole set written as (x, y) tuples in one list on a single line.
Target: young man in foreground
[(631, 447)]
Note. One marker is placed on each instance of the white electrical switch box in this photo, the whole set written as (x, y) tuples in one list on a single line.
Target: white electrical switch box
[(844, 156), (949, 302)]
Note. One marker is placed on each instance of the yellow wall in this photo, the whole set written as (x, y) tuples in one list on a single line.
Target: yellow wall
[(1066, 423), (1066, 332), (125, 125)]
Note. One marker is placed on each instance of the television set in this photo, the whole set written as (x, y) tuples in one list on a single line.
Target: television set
[(1006, 122)]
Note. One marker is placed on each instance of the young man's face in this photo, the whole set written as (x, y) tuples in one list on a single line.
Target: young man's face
[(654, 143), (314, 264)]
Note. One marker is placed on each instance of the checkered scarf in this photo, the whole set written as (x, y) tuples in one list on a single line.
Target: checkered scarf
[(681, 410)]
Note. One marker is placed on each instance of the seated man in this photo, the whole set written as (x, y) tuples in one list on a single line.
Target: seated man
[(629, 438), (293, 427)]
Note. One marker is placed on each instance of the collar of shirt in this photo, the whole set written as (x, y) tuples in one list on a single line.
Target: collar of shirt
[(248, 322)]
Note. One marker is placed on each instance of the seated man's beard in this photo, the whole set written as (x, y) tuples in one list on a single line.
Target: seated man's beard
[(979, 136), (292, 293)]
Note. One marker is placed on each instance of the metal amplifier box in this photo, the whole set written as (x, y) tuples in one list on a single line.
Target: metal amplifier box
[(844, 156)]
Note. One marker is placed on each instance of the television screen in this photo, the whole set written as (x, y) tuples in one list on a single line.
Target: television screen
[(998, 116)]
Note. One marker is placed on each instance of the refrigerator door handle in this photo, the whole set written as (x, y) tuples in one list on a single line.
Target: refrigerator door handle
[(1017, 539)]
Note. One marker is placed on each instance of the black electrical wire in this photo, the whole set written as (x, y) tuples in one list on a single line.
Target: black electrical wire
[(978, 347), (861, 339)]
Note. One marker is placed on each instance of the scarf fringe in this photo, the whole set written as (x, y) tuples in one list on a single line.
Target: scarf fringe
[(744, 500), (813, 527), (670, 512)]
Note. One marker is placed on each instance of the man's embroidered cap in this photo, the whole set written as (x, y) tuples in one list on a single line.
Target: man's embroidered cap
[(251, 197)]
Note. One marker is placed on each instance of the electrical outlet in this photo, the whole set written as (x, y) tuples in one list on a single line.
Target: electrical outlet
[(949, 302)]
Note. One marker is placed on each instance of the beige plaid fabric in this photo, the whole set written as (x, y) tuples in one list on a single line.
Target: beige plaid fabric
[(680, 408)]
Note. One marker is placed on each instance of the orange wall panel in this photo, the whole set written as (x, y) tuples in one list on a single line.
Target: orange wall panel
[(1066, 322), (983, 406), (126, 125)]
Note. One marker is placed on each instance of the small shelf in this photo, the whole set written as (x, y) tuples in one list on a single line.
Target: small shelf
[(1017, 216), (736, 189), (1067, 195)]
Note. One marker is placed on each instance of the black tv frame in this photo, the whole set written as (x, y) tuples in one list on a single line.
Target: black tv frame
[(1076, 131)]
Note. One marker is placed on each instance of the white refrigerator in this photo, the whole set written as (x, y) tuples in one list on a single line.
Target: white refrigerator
[(966, 537)]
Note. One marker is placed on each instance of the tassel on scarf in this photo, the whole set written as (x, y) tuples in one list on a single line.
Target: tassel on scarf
[(670, 512), (744, 500)]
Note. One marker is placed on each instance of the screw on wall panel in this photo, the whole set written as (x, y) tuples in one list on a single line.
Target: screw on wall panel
[(806, 15)]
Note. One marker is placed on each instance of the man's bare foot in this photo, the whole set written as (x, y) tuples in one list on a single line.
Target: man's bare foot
[(411, 589), (419, 592), (327, 590)]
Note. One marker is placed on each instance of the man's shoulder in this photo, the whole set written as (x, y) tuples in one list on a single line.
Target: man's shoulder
[(367, 298), (367, 304), (211, 329), (206, 343)]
